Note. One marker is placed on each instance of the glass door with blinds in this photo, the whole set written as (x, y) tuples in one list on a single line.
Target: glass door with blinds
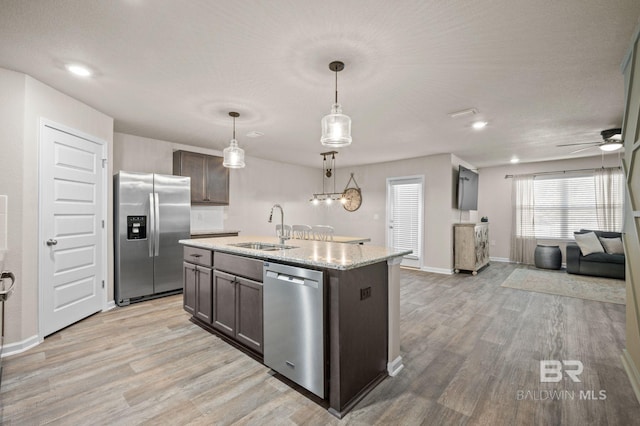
[(405, 217)]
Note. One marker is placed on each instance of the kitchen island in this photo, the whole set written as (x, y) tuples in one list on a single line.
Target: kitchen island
[(360, 302)]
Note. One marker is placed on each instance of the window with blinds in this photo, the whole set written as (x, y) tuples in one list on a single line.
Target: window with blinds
[(563, 205), (407, 198)]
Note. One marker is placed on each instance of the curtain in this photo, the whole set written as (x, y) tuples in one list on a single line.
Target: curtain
[(523, 240), (609, 203)]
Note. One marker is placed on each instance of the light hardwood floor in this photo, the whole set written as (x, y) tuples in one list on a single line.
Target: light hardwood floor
[(468, 345)]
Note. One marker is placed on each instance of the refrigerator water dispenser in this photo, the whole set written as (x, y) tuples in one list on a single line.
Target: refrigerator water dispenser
[(136, 227)]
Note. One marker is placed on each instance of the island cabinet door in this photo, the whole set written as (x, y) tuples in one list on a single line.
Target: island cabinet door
[(189, 291), (249, 313), (204, 296), (224, 303)]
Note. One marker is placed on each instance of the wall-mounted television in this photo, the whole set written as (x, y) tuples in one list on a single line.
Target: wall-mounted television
[(467, 189)]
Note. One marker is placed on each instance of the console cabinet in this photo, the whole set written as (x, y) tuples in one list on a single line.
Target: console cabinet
[(209, 178), (471, 246)]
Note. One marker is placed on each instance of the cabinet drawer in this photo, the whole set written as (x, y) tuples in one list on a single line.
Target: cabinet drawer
[(239, 265), (199, 256)]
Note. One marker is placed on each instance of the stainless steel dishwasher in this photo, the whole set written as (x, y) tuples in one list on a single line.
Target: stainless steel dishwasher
[(294, 324)]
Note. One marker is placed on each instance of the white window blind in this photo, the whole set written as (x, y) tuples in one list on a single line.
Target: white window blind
[(567, 204), (405, 217)]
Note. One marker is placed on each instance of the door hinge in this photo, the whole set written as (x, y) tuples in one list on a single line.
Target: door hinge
[(104, 163), (102, 283), (102, 223)]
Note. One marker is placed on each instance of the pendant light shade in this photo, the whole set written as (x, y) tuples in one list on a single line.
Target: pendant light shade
[(336, 126), (233, 155)]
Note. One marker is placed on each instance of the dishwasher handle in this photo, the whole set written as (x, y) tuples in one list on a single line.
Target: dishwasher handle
[(291, 279)]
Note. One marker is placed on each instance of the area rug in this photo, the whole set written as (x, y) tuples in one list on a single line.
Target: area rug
[(563, 284)]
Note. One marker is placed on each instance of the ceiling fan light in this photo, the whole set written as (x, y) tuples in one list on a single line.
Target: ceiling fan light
[(336, 128), (611, 146)]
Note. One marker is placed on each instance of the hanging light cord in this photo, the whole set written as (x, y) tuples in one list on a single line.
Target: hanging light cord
[(234, 127), (333, 167), (324, 167), (336, 72)]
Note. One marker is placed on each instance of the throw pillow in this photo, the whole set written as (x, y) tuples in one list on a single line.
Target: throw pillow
[(612, 245), (588, 243)]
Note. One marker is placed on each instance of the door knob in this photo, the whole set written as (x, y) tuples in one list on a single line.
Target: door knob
[(52, 242)]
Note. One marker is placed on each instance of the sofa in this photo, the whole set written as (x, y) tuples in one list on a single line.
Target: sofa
[(607, 263)]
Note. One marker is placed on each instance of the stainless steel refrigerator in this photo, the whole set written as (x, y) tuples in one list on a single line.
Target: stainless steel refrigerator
[(152, 213)]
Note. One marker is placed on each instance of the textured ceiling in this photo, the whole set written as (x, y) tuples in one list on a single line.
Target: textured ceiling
[(541, 72)]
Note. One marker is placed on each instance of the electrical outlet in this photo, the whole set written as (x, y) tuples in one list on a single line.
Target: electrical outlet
[(365, 293)]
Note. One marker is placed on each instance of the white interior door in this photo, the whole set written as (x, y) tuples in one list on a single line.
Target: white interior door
[(405, 217), (71, 227)]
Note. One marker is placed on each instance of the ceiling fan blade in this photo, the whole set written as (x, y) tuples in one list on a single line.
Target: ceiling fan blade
[(581, 149), (579, 143)]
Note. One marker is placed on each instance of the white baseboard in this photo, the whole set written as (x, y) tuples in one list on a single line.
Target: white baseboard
[(394, 367), (19, 347), (500, 259), (111, 304), (437, 270), (632, 372)]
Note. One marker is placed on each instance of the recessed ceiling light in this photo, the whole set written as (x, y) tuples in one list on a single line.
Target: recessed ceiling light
[(254, 134), (79, 70), (479, 125), (514, 160)]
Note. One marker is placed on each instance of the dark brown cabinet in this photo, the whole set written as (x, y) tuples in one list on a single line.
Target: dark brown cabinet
[(204, 294), (209, 178), (237, 309), (189, 291), (237, 300), (249, 326), (224, 303), (197, 291), (197, 279)]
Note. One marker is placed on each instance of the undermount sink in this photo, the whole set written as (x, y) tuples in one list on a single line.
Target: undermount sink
[(262, 246)]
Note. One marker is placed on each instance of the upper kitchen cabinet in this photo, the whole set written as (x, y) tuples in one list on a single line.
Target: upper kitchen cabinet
[(209, 178)]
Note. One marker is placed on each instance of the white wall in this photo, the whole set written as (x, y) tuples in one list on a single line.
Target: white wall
[(262, 183), (24, 102), (253, 190), (495, 194), (12, 90), (370, 219)]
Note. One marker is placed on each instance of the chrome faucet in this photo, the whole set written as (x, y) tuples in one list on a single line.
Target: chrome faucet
[(282, 235)]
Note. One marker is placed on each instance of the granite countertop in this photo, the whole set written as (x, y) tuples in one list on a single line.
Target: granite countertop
[(321, 254), (213, 231)]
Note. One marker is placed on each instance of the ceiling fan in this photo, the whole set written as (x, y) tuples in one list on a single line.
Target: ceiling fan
[(611, 141)]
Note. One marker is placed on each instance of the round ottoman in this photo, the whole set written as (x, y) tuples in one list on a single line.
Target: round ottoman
[(548, 257)]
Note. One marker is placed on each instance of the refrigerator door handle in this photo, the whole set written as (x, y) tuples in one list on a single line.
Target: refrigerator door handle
[(156, 231), (152, 224)]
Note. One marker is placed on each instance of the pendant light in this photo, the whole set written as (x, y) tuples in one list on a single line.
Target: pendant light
[(233, 155), (336, 127), (328, 172)]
